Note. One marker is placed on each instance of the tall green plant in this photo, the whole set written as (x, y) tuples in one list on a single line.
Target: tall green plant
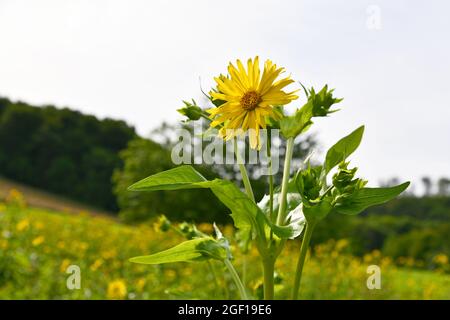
[(293, 208)]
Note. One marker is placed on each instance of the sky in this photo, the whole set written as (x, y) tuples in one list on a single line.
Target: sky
[(136, 60)]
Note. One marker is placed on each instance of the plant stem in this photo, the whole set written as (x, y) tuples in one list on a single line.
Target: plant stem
[(236, 279), (269, 266), (301, 258), (284, 185), (244, 269), (245, 179), (213, 271), (269, 155)]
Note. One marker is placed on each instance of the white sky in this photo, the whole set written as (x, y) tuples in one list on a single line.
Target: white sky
[(135, 60)]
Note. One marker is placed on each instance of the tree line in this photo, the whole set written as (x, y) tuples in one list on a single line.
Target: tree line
[(62, 151)]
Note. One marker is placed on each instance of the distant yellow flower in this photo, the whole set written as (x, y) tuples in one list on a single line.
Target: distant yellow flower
[(170, 274), (110, 254), (39, 225), (60, 244), (22, 225), (15, 197), (341, 244), (249, 97), (4, 244), (97, 264), (37, 241), (206, 227), (116, 290), (441, 259), (140, 284), (64, 265), (83, 246)]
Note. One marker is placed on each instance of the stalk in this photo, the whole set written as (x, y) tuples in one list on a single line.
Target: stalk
[(271, 187), (244, 269), (284, 185), (236, 279), (213, 271), (245, 179), (301, 258), (269, 266)]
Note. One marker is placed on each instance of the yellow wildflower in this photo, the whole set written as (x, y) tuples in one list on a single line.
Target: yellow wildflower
[(140, 284), (117, 289), (38, 241), (249, 97), (4, 244), (441, 259), (64, 265), (15, 197), (97, 264), (39, 225), (22, 225)]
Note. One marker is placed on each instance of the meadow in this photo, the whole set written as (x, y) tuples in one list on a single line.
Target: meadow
[(38, 245)]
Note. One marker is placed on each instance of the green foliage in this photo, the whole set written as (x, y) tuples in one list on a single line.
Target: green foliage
[(322, 101), (318, 105), (35, 272), (191, 110), (190, 250), (62, 151), (143, 158), (247, 216), (299, 122), (183, 177), (309, 184), (420, 244), (343, 148), (367, 197)]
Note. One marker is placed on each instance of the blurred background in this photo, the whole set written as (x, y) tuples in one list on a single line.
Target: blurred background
[(88, 99)]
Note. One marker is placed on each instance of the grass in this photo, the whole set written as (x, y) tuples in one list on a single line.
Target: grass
[(38, 245)]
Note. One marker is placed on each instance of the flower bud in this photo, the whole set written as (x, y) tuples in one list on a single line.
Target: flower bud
[(191, 111)]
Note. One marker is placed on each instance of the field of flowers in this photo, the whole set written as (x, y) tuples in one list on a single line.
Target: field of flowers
[(38, 246)]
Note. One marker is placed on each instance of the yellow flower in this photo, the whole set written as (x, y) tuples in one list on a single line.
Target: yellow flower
[(249, 97), (39, 225), (140, 284), (117, 289), (60, 244), (64, 265), (441, 259), (341, 244), (97, 264), (22, 225), (15, 197), (37, 241), (4, 244)]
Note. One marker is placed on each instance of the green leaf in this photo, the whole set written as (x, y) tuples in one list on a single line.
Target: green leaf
[(182, 177), (343, 148), (318, 211), (186, 251), (295, 218), (322, 101), (300, 122), (247, 216), (191, 111), (367, 197)]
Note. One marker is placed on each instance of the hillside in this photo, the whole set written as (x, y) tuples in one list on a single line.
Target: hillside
[(46, 200)]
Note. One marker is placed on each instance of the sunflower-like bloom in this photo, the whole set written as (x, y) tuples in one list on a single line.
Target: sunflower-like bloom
[(249, 98)]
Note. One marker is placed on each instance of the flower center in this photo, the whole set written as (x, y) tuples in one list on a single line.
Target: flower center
[(250, 100)]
